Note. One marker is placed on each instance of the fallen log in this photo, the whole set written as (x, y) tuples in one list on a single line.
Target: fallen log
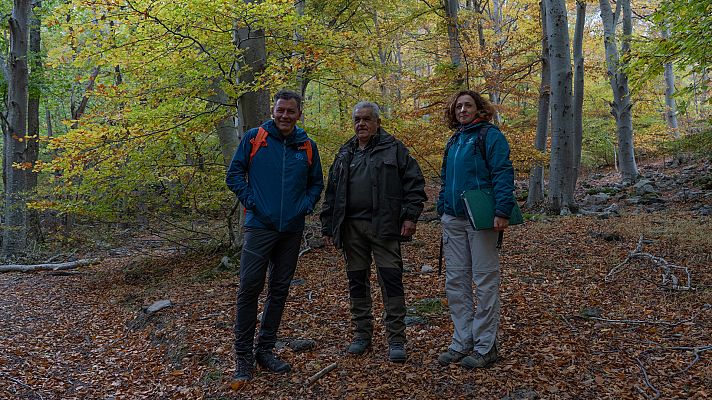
[(47, 267)]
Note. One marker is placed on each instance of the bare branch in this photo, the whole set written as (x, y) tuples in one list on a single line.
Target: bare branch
[(668, 276)]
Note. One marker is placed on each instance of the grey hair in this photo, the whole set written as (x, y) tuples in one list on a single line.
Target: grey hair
[(375, 111)]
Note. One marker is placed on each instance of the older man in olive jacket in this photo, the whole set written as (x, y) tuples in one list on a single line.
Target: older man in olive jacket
[(372, 203)]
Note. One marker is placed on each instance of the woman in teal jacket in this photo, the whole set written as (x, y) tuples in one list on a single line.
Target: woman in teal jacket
[(471, 255)]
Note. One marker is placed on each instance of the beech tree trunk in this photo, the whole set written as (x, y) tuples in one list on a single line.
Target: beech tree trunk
[(670, 105), (33, 115), (561, 193), (253, 106), (578, 86), (536, 175), (451, 10), (15, 221), (621, 105)]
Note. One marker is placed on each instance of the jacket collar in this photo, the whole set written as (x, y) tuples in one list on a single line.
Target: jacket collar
[(472, 127)]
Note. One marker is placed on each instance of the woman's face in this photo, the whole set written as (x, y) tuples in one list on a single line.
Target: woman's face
[(465, 109)]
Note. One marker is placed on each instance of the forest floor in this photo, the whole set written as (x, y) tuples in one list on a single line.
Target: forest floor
[(566, 331)]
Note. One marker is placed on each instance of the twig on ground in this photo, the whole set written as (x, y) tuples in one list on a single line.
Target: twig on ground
[(668, 276), (321, 373), (697, 351), (23, 384), (636, 321), (645, 378)]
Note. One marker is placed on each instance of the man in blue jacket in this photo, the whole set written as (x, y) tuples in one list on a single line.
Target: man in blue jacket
[(277, 177)]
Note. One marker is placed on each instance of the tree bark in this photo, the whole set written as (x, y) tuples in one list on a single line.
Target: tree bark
[(670, 105), (578, 87), (561, 171), (15, 222), (33, 115), (536, 175), (621, 104), (453, 31), (253, 106)]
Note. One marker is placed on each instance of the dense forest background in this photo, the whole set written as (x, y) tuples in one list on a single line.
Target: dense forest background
[(134, 107)]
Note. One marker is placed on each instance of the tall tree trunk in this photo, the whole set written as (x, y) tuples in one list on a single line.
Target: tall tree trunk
[(33, 115), (670, 106), (452, 8), (578, 87), (253, 106), (453, 31), (536, 175), (15, 221), (495, 84), (621, 104), (302, 79), (562, 122)]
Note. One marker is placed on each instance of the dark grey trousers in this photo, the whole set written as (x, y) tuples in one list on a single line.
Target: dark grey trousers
[(264, 251), (360, 243)]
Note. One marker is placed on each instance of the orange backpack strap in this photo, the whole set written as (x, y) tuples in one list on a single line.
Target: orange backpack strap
[(258, 141), (307, 147)]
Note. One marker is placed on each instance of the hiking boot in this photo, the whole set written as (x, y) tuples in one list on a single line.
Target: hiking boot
[(359, 346), (270, 362), (477, 360), (450, 357), (396, 352), (244, 368)]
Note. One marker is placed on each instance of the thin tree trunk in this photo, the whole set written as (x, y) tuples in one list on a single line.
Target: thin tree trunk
[(578, 88), (560, 196), (15, 221), (670, 106), (621, 104), (536, 175)]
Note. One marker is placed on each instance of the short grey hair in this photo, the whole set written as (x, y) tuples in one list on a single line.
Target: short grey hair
[(375, 111)]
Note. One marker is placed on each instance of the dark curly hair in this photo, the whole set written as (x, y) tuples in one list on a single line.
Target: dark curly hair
[(484, 107)]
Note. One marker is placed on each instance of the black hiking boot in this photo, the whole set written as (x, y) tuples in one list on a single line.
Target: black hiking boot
[(269, 361)]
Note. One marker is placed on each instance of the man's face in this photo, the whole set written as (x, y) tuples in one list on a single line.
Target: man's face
[(365, 124), (286, 114)]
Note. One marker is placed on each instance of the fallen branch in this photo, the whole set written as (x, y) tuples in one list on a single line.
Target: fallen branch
[(668, 276), (320, 374), (635, 321), (645, 378), (697, 351), (47, 267)]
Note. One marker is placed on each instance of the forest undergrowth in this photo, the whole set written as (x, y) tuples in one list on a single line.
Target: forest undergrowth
[(572, 327)]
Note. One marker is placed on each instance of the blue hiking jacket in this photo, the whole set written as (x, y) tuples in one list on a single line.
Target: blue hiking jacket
[(464, 169), (278, 188)]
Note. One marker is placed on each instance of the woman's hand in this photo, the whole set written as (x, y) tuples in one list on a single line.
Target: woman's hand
[(500, 224)]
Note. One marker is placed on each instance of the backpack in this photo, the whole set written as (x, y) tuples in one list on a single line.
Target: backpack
[(261, 140)]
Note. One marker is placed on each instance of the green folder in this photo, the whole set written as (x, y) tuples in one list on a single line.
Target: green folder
[(479, 204)]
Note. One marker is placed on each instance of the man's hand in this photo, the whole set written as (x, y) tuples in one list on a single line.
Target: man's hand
[(408, 228), (328, 241), (500, 224)]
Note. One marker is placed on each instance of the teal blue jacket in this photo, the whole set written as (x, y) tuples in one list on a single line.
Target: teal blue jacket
[(464, 169), (279, 187)]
